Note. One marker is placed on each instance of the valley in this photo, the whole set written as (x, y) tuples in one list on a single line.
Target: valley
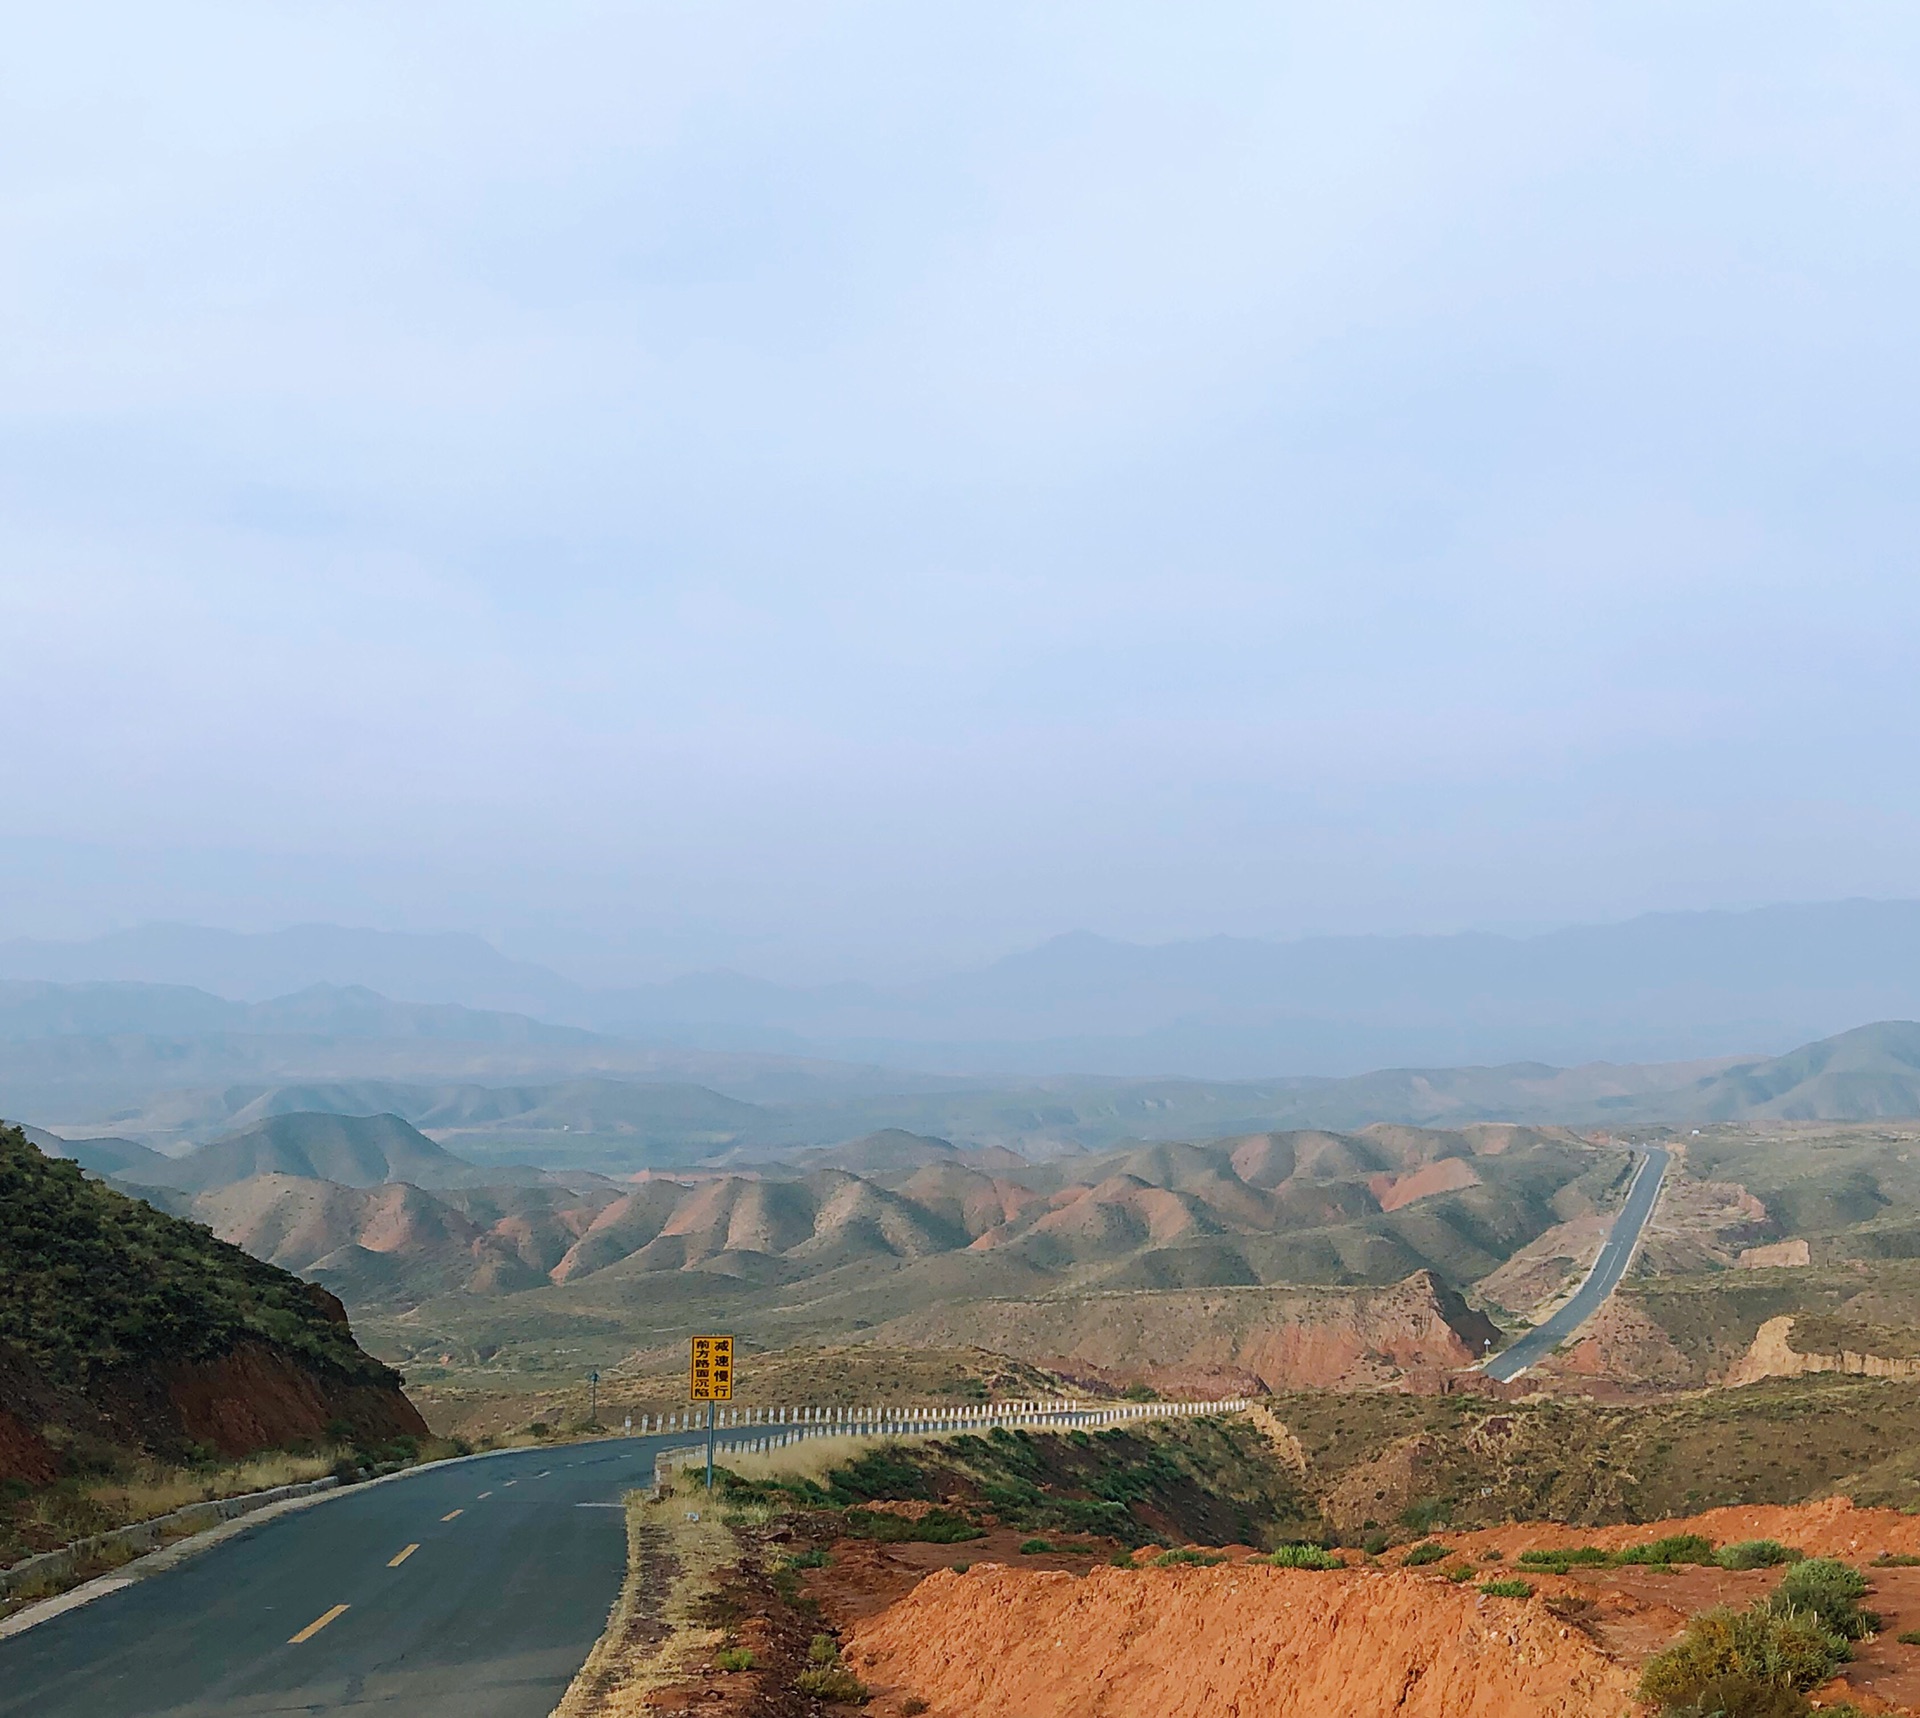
[(494, 1244)]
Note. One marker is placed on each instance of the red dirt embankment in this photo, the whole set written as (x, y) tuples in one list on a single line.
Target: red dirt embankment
[(1194, 1643), (1369, 1642)]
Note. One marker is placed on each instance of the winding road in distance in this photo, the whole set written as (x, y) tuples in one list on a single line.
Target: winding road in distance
[(1643, 1193), (470, 1589)]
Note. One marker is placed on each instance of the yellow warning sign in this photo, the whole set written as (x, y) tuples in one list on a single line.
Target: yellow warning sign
[(710, 1369)]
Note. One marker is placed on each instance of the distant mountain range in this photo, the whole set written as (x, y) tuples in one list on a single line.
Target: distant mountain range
[(1663, 987), (614, 1126)]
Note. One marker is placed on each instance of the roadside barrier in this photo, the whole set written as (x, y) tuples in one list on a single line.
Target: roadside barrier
[(776, 1428)]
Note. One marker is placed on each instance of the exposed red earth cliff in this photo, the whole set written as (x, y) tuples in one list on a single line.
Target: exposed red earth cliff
[(1006, 1641), (1193, 1643)]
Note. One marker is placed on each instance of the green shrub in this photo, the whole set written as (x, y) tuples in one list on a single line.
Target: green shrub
[(826, 1678), (1122, 1559), (1831, 1591), (832, 1682), (1172, 1559), (1756, 1554), (1760, 1644), (733, 1658), (1734, 1696), (1302, 1557), (811, 1558), (1560, 1559), (1424, 1517), (1425, 1552), (1459, 1572), (1675, 1548), (1508, 1589), (1908, 1637), (1034, 1548), (962, 1568), (936, 1527)]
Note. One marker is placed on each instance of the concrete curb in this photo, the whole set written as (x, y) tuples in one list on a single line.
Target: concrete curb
[(149, 1535)]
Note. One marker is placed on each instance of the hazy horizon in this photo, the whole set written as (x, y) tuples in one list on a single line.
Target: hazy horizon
[(855, 492)]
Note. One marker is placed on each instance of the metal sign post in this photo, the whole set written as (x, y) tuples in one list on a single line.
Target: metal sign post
[(710, 1380), (593, 1398)]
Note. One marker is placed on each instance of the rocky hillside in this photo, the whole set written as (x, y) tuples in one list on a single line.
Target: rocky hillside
[(1258, 1340), (125, 1327)]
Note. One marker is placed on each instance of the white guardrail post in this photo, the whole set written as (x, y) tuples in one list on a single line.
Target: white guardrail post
[(777, 1427)]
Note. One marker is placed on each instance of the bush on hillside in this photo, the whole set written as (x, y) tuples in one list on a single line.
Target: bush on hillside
[(1675, 1548), (936, 1527), (1302, 1557), (1760, 1645), (1831, 1591), (1425, 1552), (1756, 1554), (1564, 1557)]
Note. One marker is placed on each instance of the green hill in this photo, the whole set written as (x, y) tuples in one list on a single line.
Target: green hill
[(120, 1325)]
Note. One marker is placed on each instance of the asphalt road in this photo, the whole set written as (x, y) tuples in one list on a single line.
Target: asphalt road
[(516, 1561), (1607, 1271)]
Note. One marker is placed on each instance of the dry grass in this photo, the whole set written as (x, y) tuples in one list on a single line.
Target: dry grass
[(160, 1491), (811, 1458), (655, 1636)]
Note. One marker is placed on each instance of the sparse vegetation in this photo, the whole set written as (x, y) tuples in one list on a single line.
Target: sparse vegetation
[(826, 1677), (936, 1527), (732, 1658), (1510, 1588)]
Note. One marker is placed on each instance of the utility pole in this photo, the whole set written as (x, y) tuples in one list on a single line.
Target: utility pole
[(593, 1398)]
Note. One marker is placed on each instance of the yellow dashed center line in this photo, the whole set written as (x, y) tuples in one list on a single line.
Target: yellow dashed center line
[(483, 1497), (451, 1513), (318, 1623), (395, 1562)]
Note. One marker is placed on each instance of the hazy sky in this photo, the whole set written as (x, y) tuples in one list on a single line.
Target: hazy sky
[(838, 488)]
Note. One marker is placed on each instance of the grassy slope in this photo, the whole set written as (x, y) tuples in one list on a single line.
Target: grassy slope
[(1378, 1456), (1206, 1481), (91, 1280)]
